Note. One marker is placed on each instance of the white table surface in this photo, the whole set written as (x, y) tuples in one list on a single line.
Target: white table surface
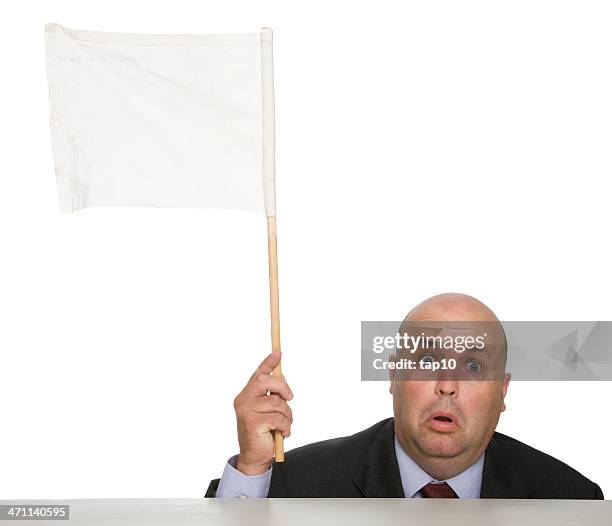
[(320, 512)]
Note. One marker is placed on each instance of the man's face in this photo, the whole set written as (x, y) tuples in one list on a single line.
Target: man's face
[(423, 408), (445, 419)]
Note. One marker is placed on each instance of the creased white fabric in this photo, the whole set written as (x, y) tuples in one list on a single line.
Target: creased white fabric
[(156, 120)]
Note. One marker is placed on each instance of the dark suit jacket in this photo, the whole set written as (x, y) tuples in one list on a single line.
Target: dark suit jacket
[(365, 465)]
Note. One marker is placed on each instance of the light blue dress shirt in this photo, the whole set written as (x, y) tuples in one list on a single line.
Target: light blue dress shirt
[(466, 485), (236, 484)]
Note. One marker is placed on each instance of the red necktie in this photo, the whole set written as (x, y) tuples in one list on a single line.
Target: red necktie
[(438, 491)]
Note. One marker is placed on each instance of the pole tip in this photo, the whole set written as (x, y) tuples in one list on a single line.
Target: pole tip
[(266, 33)]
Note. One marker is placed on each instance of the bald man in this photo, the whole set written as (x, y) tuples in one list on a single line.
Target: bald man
[(441, 442)]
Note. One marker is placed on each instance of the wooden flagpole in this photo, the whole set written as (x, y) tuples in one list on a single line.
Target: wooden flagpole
[(279, 453), (269, 170)]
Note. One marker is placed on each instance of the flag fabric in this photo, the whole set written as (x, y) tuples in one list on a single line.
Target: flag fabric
[(161, 120)]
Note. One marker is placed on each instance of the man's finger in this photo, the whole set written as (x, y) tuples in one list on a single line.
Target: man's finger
[(263, 383), (268, 364), (273, 404), (277, 421)]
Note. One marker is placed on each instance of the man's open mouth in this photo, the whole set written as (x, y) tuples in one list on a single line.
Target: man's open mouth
[(443, 421)]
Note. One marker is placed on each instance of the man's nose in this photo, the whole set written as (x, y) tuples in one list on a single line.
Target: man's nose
[(448, 387)]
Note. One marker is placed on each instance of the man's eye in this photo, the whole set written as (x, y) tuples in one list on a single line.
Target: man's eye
[(474, 367), (427, 358)]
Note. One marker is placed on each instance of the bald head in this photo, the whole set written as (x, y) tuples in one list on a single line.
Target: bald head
[(451, 306)]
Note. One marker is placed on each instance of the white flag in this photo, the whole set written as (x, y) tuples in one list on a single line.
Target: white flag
[(162, 120)]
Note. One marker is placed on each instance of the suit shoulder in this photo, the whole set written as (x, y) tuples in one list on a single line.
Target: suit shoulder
[(542, 469), (326, 468), (519, 451), (335, 448)]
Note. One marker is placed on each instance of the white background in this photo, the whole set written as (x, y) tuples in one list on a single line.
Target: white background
[(422, 148)]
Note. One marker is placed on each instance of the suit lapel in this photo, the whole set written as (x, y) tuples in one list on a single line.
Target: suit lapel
[(379, 474), (500, 477)]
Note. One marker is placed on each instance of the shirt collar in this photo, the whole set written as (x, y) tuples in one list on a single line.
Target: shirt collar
[(466, 484)]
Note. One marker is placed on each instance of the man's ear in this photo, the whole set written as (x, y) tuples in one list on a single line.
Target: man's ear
[(391, 374), (505, 389)]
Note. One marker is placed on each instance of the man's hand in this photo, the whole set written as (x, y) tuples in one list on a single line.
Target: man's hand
[(258, 414)]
